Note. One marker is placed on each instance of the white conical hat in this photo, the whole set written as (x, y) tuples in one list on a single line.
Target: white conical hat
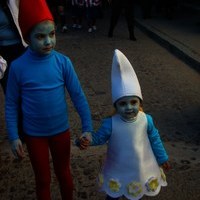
[(123, 78)]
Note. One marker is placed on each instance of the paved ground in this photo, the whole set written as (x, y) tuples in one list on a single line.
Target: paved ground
[(180, 35), (171, 94)]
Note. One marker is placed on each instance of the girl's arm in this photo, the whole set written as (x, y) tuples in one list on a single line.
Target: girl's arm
[(156, 143), (102, 135), (77, 96)]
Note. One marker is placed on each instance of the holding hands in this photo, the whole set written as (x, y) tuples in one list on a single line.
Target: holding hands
[(84, 141)]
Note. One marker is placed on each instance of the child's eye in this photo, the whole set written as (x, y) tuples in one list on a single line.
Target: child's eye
[(52, 34), (122, 103), (40, 36), (133, 102)]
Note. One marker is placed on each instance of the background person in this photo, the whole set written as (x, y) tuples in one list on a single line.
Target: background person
[(11, 42), (117, 6)]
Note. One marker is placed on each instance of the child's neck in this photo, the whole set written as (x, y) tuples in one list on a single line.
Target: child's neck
[(129, 120)]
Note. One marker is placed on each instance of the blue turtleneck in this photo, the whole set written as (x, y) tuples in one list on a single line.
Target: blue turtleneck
[(38, 83)]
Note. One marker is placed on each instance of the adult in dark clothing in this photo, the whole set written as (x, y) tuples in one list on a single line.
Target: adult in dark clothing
[(58, 10), (117, 6), (11, 42)]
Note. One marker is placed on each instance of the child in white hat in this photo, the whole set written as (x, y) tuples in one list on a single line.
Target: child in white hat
[(135, 157)]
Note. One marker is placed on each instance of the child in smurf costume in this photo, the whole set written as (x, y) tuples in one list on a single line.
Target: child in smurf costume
[(135, 156), (38, 81)]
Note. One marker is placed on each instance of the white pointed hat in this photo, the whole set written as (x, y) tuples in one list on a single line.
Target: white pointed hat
[(123, 78)]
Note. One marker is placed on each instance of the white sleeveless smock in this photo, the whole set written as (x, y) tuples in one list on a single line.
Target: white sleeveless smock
[(130, 168)]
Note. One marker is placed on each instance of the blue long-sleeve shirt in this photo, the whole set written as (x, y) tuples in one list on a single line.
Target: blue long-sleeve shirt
[(102, 135), (38, 83)]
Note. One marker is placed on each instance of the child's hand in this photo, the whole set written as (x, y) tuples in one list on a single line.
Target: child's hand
[(17, 149), (82, 143), (166, 166)]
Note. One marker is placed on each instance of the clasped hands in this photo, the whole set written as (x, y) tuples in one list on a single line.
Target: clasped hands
[(84, 141)]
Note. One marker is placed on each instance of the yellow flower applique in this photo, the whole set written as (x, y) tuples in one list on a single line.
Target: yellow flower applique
[(134, 189), (114, 185), (100, 180), (152, 184)]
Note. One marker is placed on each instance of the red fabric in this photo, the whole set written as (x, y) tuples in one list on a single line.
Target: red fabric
[(32, 12), (38, 149)]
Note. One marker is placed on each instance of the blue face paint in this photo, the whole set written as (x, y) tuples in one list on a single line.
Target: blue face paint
[(42, 38), (128, 107)]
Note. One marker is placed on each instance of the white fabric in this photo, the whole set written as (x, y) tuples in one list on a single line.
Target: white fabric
[(130, 159), (3, 66), (123, 78)]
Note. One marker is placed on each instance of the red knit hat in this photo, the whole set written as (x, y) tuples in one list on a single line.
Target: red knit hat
[(31, 13)]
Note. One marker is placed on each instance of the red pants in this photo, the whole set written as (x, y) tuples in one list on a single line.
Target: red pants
[(38, 149)]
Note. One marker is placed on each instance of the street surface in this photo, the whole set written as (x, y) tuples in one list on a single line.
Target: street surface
[(171, 92)]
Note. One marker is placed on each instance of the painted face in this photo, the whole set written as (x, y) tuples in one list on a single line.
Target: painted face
[(42, 38), (128, 107)]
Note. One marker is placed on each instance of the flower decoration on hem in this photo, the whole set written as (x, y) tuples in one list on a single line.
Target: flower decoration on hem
[(163, 175), (100, 180), (152, 184), (114, 185), (134, 188)]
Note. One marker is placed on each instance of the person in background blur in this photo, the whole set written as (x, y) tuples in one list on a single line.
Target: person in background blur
[(58, 9), (77, 13), (116, 9), (92, 13), (11, 43)]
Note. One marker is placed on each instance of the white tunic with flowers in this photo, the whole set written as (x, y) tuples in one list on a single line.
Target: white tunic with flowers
[(131, 168)]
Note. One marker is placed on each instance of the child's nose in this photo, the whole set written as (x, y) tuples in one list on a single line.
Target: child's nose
[(129, 106), (47, 41)]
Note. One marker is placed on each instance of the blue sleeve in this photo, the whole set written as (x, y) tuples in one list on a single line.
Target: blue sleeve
[(77, 96), (156, 143), (12, 105), (102, 135)]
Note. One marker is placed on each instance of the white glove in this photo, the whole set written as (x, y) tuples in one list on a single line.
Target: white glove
[(3, 66), (17, 148)]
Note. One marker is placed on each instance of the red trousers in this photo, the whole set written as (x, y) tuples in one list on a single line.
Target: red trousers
[(38, 149)]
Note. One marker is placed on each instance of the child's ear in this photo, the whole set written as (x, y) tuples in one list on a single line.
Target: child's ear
[(141, 106)]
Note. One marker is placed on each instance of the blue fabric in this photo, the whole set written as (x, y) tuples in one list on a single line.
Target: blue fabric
[(38, 82), (102, 135), (156, 143), (8, 35)]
